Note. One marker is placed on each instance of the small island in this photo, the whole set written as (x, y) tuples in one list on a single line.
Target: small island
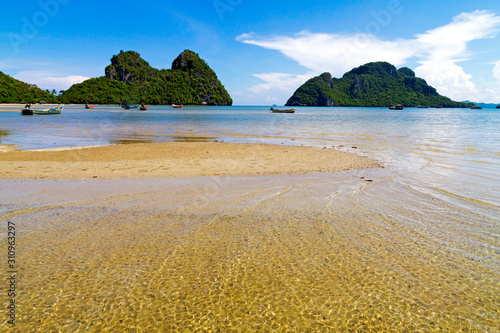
[(376, 84)]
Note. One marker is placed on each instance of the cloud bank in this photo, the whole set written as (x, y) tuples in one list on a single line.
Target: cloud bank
[(48, 80), (437, 51)]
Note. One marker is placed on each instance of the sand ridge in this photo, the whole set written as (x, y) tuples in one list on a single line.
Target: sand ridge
[(176, 159)]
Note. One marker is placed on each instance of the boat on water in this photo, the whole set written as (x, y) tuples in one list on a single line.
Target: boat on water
[(28, 111), (127, 105), (177, 106), (143, 107), (276, 109), (89, 106), (396, 107)]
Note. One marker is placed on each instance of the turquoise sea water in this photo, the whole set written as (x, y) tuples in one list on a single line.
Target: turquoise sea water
[(415, 249)]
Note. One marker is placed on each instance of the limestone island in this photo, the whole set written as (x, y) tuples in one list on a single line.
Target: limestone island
[(376, 84)]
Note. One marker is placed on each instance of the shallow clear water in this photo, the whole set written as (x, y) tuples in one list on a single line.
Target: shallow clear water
[(415, 248), (457, 150)]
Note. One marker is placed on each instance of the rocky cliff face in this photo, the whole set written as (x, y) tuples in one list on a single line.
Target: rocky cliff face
[(129, 67), (375, 84), (203, 79)]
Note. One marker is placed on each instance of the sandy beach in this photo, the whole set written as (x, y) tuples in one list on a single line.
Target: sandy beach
[(175, 159), (12, 107)]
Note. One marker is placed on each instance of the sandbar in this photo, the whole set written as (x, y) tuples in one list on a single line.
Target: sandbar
[(12, 107), (176, 159)]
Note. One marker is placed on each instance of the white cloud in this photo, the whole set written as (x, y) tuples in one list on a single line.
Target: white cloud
[(451, 40), (278, 87), (448, 78), (496, 71), (48, 80), (437, 51), (279, 81), (442, 48), (336, 53)]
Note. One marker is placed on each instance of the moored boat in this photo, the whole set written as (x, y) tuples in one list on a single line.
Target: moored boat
[(127, 105), (89, 106), (143, 107), (177, 106), (30, 112), (276, 109), (282, 111), (396, 107)]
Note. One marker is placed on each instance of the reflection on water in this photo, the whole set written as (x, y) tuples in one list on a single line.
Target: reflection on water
[(415, 249), (130, 140), (3, 133), (180, 138)]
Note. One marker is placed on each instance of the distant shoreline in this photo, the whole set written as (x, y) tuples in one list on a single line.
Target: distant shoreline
[(19, 107)]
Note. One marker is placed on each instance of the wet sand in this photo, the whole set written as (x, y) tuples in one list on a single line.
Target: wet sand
[(175, 159)]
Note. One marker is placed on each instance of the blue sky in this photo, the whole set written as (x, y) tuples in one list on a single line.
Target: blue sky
[(262, 51)]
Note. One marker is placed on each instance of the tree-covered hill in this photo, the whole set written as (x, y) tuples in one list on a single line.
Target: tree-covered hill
[(130, 78), (375, 84), (15, 91), (129, 67)]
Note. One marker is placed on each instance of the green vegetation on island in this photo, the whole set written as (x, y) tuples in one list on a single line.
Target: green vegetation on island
[(130, 78), (375, 84), (15, 91)]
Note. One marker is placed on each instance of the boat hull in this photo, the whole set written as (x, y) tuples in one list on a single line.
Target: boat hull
[(30, 112), (129, 107), (283, 111), (396, 107)]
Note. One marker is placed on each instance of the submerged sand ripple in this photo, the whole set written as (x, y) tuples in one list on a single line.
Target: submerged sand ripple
[(272, 263)]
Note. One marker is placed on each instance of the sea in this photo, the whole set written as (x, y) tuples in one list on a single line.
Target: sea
[(411, 246)]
